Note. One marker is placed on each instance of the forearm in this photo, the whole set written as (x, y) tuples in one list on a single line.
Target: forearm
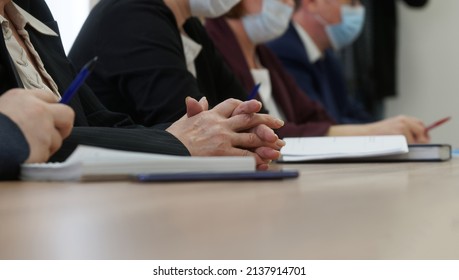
[(349, 130), (148, 140)]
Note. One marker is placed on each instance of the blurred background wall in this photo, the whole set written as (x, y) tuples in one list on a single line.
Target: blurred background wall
[(70, 16), (429, 67)]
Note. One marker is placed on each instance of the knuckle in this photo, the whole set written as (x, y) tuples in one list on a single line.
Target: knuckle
[(252, 139), (233, 101), (247, 119)]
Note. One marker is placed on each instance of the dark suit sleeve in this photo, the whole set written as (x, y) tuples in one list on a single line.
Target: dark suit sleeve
[(311, 118), (14, 148), (350, 110), (107, 129), (147, 67), (149, 140)]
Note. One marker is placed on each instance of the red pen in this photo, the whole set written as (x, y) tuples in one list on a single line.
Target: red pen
[(437, 123)]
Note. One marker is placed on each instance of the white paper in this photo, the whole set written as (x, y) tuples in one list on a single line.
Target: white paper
[(318, 148)]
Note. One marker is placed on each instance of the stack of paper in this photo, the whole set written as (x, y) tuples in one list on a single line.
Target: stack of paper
[(326, 148)]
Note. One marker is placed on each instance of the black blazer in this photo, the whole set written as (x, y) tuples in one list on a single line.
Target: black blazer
[(142, 68), (14, 149), (94, 124)]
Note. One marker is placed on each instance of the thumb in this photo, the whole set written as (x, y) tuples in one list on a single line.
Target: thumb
[(204, 103), (193, 107)]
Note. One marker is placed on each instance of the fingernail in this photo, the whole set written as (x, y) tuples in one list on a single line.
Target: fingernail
[(280, 143), (278, 155), (202, 99), (280, 122)]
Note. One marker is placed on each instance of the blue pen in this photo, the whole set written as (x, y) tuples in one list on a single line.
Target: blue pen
[(254, 91), (78, 81)]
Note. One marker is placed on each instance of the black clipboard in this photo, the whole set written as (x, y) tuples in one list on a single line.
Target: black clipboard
[(217, 176)]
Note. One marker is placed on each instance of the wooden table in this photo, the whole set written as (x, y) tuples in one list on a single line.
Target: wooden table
[(333, 211)]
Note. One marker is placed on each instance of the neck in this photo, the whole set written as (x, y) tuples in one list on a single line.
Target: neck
[(314, 28), (180, 9), (247, 46)]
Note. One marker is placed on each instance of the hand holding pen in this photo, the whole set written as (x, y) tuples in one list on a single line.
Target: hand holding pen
[(78, 81)]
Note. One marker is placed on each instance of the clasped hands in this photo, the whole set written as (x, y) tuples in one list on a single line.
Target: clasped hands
[(232, 128)]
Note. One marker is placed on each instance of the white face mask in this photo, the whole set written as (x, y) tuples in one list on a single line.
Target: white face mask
[(211, 8), (271, 23)]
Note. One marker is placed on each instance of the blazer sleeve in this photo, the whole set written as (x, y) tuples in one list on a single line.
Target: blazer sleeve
[(311, 119), (147, 66), (107, 129), (14, 148)]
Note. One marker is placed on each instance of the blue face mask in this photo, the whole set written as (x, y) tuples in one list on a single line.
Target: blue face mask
[(271, 23), (346, 32)]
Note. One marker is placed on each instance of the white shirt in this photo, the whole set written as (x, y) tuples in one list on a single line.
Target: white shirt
[(191, 50), (261, 76), (29, 75), (312, 49)]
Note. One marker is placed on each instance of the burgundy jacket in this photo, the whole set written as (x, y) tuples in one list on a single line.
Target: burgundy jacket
[(305, 117)]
